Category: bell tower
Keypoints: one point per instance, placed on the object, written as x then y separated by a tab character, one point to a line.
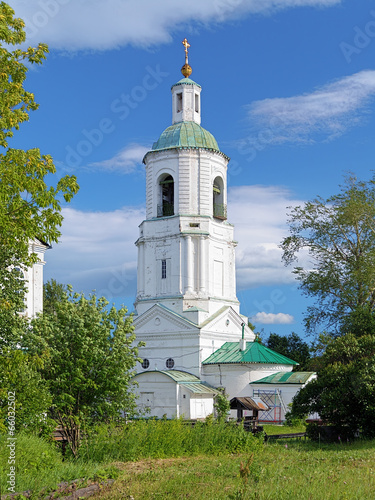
186	251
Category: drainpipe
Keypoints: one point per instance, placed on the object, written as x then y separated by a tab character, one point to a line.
243	341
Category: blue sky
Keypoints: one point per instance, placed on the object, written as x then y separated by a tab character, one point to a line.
288	92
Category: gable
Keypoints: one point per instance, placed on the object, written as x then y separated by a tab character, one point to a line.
228	322
161	320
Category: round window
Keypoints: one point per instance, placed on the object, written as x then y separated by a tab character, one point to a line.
145	363
169	363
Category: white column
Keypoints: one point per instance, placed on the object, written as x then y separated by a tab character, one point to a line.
141	268
189	264
202	264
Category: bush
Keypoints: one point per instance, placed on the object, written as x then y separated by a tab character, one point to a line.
329	433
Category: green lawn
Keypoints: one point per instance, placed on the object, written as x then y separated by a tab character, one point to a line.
205	462
293	470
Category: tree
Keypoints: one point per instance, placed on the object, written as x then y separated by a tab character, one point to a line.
91	353
344	392
22	385
339	236
53	293
291	346
29	208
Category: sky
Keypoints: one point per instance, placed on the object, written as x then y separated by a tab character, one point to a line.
288	90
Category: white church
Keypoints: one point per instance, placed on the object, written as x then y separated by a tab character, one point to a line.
186	309
187	312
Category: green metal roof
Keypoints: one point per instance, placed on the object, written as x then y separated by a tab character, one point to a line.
200	388
187	380
185	135
254	353
186	81
179	376
286	378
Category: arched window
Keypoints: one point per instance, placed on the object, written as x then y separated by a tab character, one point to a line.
219	208
166	205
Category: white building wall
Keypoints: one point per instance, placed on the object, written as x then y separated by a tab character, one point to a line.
187	107
236	378
162	396
160	391
170	336
34	281
201	406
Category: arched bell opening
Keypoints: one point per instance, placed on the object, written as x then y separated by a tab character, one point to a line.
219	207
166	196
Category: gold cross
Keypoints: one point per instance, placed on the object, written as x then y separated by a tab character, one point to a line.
186	44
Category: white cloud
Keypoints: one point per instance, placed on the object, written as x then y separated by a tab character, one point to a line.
126	161
324	114
273	319
97	251
107	24
259	215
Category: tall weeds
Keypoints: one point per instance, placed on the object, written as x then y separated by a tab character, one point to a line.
167	438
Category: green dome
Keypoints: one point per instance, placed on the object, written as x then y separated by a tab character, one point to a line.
185	135
186	81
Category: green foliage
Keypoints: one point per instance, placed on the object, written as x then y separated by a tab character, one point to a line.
167	438
291	346
344	392
40	466
294	422
339	235
361	321
90	358
222	405
19	376
29	208
53	293
12	293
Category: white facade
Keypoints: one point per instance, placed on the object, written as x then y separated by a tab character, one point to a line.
186	105
34	280
197	248
161	396
236	378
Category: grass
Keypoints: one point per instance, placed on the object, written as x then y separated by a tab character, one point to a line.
300	471
283	429
161	460
39	465
167	438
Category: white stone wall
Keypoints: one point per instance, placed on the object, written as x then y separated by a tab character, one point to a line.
236	378
187	107
164	396
158	392
169	336
193	256
34	281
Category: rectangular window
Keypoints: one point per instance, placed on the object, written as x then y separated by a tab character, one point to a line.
179	102
163	269
196	103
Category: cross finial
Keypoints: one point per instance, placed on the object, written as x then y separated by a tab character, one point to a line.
186	44
186	69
